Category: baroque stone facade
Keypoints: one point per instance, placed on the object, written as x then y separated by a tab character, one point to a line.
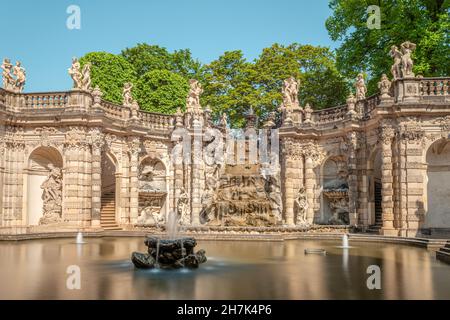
71	161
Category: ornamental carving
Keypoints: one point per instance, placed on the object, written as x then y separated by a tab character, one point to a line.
97	138
134	145
75	138
296	150
52	196
411	130
443	122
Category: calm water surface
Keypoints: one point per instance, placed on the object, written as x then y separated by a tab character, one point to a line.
235	270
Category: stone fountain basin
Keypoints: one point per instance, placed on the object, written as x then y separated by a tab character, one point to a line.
169	254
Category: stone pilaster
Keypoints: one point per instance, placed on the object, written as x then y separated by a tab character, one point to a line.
292	175
134	145
387	205
197	176
96	180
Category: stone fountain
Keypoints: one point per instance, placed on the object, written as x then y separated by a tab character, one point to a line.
171	252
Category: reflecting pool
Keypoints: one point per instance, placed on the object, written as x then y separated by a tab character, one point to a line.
36	269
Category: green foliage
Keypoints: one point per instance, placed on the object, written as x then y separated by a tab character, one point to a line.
424	22
227	86
161	91
233	85
144	58
109	72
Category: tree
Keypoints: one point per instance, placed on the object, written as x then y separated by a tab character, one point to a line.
227	86
109	72
145	58
161	91
321	85
424	22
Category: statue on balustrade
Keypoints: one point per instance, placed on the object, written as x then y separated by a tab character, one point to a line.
126	95
360	86
14	77
396	67
52	196
290	93
75	73
20	74
87	77
8	80
193	99
403	63
385	86
407	62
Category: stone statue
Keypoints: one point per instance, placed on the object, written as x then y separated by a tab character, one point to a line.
13	77
97	95
126	95
308	113
75	73
397	56
385	86
407	62
351	101
183	207
20	74
193	99
8	80
360	86
151	214
290	93
273	190
224	120
301	206
52	196
87	77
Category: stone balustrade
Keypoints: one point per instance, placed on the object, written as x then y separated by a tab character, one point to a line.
430	87
156	121
114	111
329	115
34	101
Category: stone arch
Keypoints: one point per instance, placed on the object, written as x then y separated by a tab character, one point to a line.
110	190
374	186
153	190
334	195
437	185
42	194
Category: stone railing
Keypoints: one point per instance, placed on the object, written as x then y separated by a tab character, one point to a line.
329	115
370	103
431	87
114	111
156	121
39	101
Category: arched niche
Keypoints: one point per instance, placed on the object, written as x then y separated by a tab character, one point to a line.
437	179
43	186
334	195
152	177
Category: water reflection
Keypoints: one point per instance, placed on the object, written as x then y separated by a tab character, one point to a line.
235	270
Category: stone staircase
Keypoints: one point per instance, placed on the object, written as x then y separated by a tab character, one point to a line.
443	253
108	212
375	228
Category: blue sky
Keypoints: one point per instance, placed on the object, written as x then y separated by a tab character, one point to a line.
35	32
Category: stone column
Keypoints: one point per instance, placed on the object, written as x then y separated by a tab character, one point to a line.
387	134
